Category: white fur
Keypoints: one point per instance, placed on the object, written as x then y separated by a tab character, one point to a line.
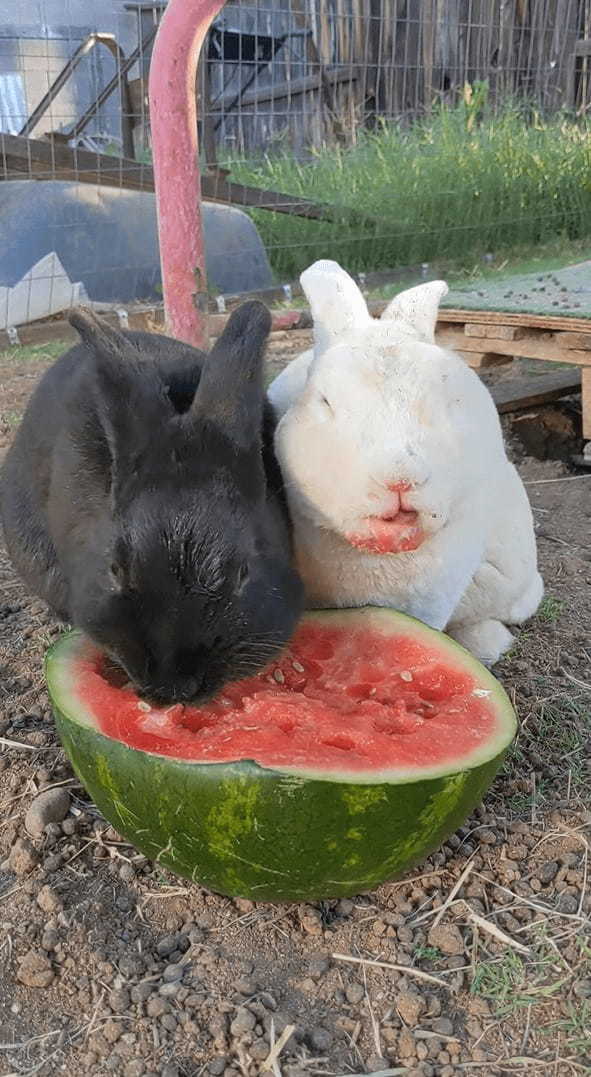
376	404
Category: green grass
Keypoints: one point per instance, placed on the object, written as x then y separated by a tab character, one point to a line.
550	609
576	1029
442	189
558	729
500	981
10	418
520	805
575	1026
563	729
427	953
513	982
35	352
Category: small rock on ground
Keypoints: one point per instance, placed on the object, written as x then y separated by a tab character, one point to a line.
410	1006
50	806
35	970
447	938
23	857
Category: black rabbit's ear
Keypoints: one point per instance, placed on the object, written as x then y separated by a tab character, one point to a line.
231	390
130	398
115	356
129	388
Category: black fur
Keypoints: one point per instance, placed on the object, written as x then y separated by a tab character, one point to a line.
141	499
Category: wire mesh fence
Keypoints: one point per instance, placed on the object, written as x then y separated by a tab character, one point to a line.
382	133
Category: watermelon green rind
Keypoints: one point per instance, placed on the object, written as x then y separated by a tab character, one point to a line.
71	645
247	830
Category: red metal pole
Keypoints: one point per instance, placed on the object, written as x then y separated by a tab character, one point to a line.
173	120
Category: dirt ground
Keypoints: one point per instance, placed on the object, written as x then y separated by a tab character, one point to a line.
480	962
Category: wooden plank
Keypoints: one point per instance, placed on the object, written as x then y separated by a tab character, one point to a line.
498	317
583	48
561	61
455	315
38	333
498	332
515	395
141	317
428	36
278	91
215	188
549	349
281	320
570	81
586	402
520	332
51	160
576	340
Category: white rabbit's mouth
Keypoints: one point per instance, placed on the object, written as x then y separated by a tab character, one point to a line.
398	532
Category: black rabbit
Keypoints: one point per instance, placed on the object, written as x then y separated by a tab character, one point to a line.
141	499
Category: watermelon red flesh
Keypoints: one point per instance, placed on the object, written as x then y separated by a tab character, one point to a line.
356	701
317	815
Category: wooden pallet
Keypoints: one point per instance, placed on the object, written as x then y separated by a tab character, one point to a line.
489	338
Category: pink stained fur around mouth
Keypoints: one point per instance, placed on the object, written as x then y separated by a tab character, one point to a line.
396	533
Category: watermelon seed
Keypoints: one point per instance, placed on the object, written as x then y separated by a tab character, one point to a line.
298	667
482	692
373	691
279	676
143	706
406	675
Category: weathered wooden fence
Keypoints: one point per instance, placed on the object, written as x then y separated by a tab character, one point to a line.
338	65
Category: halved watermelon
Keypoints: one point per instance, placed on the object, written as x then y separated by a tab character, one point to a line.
340	766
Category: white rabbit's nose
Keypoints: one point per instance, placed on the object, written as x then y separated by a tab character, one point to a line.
400	493
393	497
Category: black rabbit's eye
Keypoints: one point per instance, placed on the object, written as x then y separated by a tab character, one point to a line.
120	581
119	584
242	577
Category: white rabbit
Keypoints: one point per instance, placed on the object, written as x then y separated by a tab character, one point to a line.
398	481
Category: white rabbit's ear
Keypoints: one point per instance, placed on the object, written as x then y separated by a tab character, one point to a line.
336	302
418	307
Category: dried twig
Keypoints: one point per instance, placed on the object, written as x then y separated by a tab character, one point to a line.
575	680
566	478
375	1025
28	747
277	1048
8	893
526	1031
530	904
439	913
406	970
495	931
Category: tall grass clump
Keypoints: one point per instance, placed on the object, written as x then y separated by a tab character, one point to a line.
449	187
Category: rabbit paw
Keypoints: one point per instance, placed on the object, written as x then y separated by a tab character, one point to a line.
486	640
